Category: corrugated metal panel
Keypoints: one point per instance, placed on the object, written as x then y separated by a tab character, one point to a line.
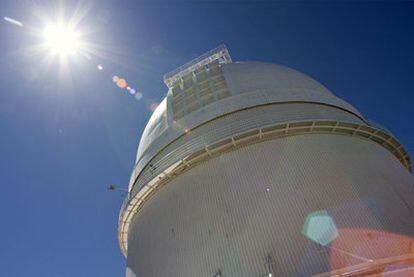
231	211
250	84
247	138
238	122
253	183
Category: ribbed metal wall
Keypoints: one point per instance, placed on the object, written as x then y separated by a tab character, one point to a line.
280	176
251	84
232	124
231	212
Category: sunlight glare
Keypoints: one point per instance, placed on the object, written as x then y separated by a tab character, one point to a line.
61	39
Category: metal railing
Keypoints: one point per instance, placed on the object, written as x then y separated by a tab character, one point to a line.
220	52
148	185
376	125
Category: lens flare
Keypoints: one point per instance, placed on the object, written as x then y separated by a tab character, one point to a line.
61	39
13	21
121	83
152	106
115	79
320	228
138	96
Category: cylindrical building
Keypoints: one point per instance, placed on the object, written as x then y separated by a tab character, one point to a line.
254	169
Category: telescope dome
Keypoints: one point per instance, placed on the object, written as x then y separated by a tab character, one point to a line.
248	163
240	85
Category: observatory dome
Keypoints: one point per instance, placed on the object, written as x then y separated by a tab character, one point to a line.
242	163
247	84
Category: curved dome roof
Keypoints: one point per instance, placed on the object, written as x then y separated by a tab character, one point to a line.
249	84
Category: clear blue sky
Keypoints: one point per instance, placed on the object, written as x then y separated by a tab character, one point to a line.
64	139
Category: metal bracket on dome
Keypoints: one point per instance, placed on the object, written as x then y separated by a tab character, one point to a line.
219	53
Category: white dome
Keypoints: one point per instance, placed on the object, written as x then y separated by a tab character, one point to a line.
250	84
240	158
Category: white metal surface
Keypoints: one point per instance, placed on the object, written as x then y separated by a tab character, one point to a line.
164	172
228	187
229	211
251	84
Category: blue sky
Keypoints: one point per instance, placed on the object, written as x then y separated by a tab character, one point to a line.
66	137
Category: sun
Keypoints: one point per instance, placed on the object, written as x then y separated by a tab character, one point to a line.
61	39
